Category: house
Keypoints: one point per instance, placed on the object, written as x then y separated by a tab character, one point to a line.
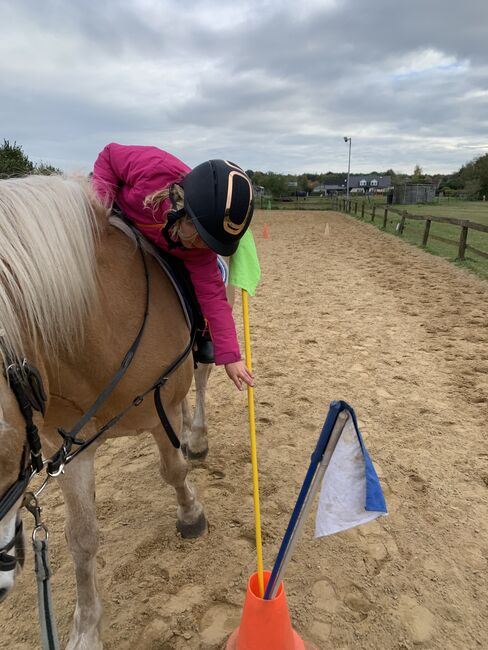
358	184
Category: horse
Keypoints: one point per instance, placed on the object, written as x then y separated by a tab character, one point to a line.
194	436
72	298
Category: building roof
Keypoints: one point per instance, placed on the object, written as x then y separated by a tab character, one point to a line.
339	182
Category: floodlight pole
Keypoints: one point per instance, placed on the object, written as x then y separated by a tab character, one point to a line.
348	166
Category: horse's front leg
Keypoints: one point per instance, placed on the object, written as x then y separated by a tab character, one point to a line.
197	437
81	530
187	422
191	520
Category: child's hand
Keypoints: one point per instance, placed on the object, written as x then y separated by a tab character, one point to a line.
238	372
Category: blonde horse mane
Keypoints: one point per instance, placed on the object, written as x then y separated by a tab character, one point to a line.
48	277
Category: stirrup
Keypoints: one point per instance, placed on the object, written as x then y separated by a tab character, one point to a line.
204	350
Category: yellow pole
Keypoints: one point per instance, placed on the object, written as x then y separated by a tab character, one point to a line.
254	456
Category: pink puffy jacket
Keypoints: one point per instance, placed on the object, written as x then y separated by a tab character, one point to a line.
127	174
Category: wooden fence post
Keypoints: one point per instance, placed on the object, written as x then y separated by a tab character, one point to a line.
401	225
385	218
373	213
356	208
362	210
462	242
426	232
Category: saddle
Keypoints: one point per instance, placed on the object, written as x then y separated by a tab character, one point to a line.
179	277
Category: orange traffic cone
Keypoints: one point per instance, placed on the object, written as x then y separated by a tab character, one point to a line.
265	231
265	624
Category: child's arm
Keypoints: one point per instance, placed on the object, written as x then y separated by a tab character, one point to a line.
210	292
110	169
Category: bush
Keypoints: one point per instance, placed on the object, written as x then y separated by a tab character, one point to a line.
14	162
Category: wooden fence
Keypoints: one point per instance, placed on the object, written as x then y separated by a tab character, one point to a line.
345	205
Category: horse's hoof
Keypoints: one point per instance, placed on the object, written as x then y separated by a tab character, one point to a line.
196	455
196	529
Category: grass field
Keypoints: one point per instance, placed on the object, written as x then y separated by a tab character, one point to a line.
476	211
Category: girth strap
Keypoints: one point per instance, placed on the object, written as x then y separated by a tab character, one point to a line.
164	419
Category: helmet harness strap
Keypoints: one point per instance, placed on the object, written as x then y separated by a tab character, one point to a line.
173	215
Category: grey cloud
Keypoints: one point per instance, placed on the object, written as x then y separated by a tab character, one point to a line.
276	89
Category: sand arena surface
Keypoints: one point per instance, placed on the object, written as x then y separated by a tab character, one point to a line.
343	312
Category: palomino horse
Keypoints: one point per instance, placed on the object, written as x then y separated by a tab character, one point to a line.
72	298
194	437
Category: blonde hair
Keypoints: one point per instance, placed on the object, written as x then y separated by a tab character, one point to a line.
156	199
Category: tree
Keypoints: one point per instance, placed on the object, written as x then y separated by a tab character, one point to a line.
46	170
472	178
13	161
275	184
418	174
391	173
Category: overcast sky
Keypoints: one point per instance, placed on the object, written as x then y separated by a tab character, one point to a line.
272	85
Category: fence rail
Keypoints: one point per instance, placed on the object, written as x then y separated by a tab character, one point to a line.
345	205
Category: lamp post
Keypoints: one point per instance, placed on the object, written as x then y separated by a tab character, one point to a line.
348	166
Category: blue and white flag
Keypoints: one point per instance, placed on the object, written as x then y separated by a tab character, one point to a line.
351	493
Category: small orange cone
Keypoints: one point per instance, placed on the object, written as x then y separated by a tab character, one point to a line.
265	624
265	231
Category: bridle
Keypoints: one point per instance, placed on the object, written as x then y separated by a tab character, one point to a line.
26	384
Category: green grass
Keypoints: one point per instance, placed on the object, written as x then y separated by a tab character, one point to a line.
471	210
310	203
476	211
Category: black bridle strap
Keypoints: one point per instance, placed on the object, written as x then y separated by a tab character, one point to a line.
14	493
14	373
171	218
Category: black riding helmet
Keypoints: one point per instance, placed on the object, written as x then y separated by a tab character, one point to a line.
219	201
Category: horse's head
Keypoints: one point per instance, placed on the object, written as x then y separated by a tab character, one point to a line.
14	458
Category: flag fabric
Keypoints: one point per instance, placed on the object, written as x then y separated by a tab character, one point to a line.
245	271
351	493
350	490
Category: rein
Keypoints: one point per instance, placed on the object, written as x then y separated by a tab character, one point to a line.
26	384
